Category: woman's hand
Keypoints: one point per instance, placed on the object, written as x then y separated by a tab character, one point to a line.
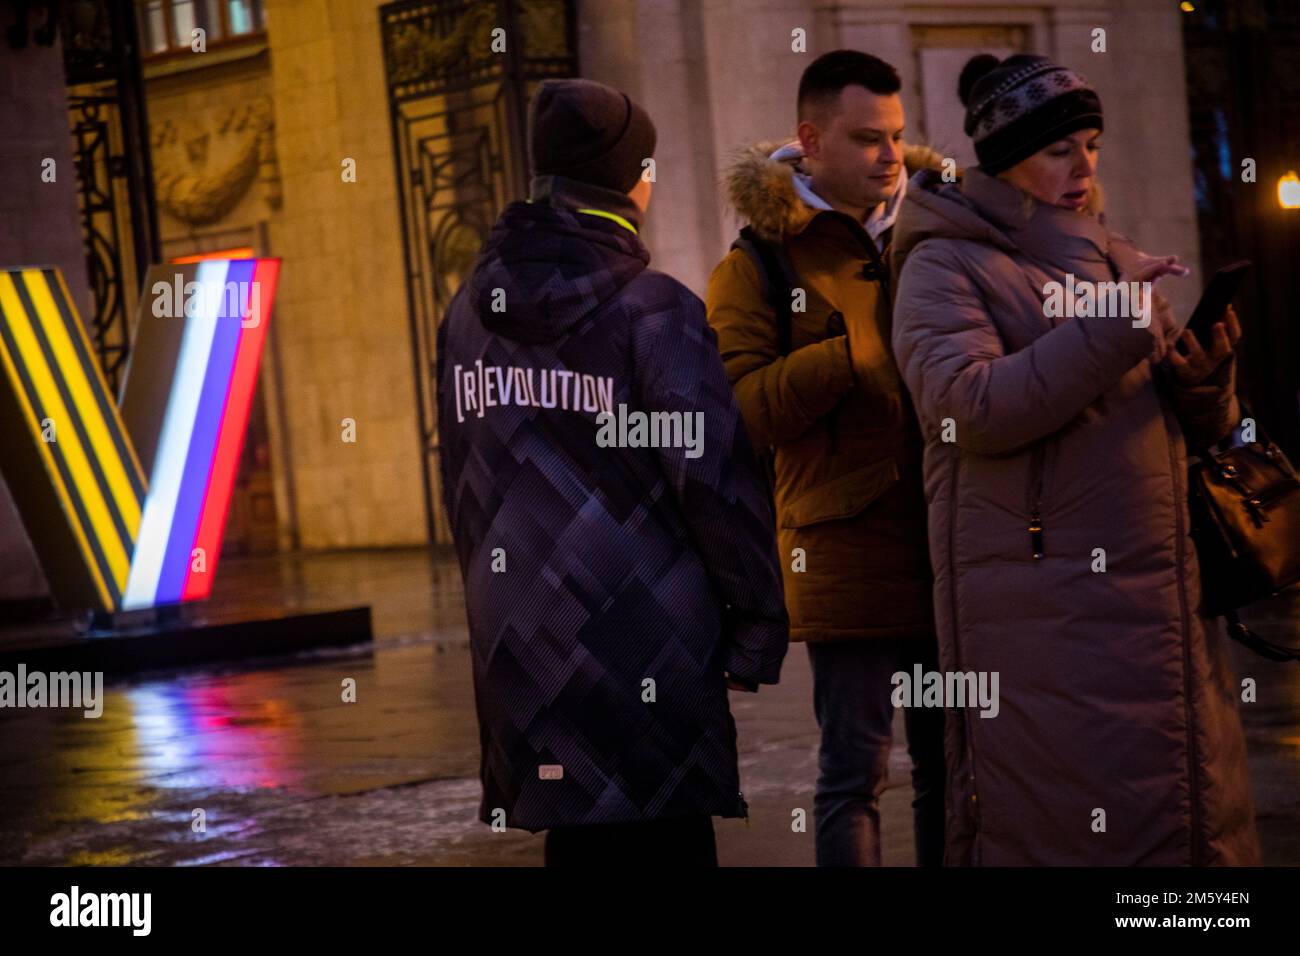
1164	328
1150	269
1199	364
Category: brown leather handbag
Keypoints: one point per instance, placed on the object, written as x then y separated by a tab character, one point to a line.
1245	507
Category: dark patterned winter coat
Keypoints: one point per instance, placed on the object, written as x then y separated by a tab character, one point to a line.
607	588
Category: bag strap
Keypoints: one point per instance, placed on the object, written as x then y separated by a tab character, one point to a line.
1242	634
1261	435
1271	448
778	277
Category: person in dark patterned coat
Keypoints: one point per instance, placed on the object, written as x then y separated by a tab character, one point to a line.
617	579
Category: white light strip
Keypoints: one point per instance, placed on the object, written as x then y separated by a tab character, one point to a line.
174	443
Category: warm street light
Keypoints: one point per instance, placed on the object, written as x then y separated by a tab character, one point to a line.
1288	191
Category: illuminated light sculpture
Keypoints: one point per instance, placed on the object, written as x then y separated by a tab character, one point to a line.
185	401
65	454
76	463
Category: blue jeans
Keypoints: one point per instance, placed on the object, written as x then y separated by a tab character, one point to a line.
851	697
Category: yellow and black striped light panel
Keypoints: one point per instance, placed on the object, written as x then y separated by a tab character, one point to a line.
64	453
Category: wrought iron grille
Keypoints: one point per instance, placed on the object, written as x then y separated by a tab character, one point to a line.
457	106
110	144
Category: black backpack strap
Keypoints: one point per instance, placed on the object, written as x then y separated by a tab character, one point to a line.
777	274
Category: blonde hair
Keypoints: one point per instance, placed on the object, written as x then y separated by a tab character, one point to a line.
1096	199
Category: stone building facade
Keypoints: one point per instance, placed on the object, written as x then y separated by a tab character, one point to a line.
282	144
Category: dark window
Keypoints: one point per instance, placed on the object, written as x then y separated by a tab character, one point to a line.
166	26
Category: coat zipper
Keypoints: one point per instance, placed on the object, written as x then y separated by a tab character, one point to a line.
1034	500
956	645
1193	781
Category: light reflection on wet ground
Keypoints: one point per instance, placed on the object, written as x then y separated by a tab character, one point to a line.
286	773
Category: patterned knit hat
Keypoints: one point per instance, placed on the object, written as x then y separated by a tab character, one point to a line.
1021	105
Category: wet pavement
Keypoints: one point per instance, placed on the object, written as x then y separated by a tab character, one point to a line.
285	772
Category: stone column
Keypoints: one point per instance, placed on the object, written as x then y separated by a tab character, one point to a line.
39	225
341	324
713	76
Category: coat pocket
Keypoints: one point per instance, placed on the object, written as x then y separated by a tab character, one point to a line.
841	497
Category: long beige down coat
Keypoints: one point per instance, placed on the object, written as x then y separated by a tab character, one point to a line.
1117	740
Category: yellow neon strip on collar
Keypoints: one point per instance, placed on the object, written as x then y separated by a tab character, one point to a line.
612	216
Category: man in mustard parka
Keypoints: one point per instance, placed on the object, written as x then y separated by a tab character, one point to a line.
817	384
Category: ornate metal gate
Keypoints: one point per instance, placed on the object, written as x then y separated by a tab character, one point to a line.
110	142
459	75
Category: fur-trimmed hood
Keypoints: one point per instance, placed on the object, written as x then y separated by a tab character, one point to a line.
762	189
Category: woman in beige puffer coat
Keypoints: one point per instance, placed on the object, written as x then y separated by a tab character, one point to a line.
1055	473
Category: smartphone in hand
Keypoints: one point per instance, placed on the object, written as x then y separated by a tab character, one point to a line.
1216	298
